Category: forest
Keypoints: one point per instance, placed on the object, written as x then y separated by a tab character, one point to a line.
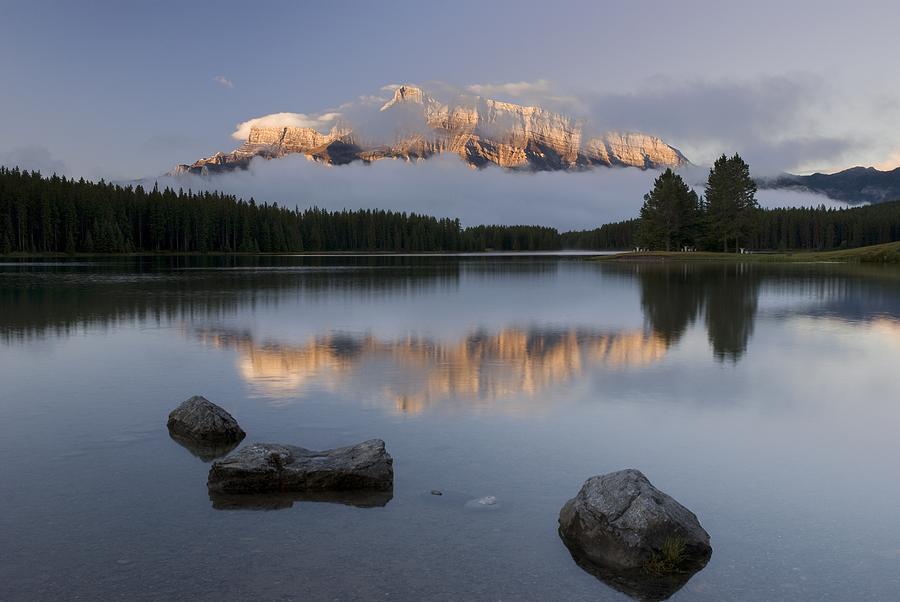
727	218
788	229
60	215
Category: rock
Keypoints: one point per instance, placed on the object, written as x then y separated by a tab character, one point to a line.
633	536
486	502
202	423
274	468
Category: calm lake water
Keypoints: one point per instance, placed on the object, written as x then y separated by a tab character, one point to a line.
764	398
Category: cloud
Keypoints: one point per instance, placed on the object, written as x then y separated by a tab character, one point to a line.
223	81
772	198
515	89
776	123
892	161
445	187
318	122
33	158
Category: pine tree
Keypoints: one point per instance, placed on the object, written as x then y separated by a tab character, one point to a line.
730	200
669	214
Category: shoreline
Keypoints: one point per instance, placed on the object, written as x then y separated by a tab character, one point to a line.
546	253
887	253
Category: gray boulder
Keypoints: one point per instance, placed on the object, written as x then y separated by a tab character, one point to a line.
274	468
204	424
633	536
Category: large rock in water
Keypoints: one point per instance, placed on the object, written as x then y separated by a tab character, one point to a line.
203	423
633	536
273	468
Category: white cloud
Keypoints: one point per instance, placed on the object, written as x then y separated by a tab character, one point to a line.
444	186
514	89
318	122
223	81
440	186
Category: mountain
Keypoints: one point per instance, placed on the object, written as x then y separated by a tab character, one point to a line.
855	185
414	125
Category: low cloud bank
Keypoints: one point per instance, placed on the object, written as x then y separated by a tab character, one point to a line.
33	158
445	187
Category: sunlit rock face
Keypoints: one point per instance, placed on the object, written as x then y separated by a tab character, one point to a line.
481	367
479	130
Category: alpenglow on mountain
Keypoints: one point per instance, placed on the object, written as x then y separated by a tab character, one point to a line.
414	125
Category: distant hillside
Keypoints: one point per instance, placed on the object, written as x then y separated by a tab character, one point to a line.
855	185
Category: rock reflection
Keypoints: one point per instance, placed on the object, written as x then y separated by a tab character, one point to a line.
418	372
278	501
206	452
639	584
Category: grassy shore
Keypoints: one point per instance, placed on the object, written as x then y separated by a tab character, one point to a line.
886	253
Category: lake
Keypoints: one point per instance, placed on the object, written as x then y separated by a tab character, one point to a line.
765	398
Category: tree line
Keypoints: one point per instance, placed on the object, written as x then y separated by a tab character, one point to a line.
728	217
60	215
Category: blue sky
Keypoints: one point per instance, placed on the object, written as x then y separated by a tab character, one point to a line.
126	89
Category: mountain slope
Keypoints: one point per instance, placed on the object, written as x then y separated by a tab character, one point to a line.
855	185
414	125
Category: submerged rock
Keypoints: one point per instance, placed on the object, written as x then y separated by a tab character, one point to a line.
274	468
202	423
633	536
488	502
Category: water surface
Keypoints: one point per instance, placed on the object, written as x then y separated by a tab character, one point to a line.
764	398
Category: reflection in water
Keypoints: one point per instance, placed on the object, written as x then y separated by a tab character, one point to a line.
674	297
39	303
422	372
639	584
205	451
55	301
278	501
84	383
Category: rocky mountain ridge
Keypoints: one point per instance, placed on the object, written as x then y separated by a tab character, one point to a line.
855	185
480	130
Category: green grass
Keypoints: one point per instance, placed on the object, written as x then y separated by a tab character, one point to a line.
885	253
669	558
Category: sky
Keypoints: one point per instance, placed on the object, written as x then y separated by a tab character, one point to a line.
125	90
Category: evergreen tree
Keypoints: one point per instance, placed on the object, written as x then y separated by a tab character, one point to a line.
669	214
730	201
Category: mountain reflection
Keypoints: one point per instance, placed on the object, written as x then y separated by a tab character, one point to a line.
416	372
55	301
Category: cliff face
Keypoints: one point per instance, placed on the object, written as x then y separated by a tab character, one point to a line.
480	130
